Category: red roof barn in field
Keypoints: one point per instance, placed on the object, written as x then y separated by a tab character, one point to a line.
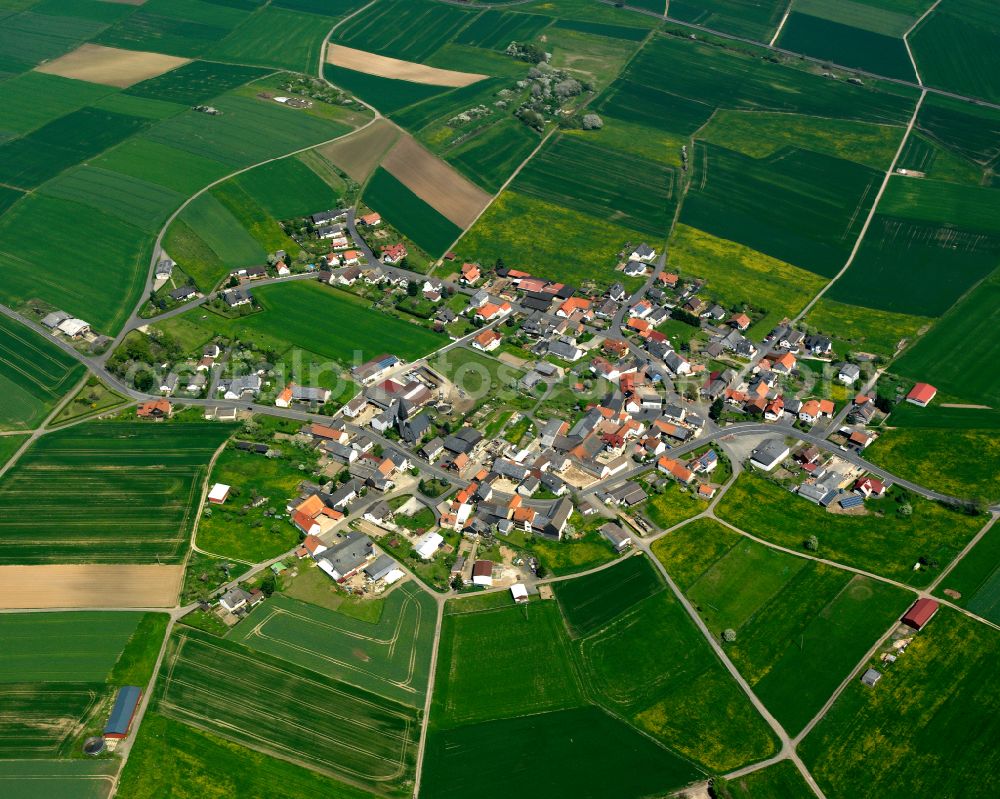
921	612
921	394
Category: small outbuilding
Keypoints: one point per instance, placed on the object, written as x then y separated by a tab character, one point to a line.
482	573
218	494
519	592
871	677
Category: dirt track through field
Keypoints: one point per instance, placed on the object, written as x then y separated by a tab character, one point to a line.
89	585
359	153
111	66
385	67
436	183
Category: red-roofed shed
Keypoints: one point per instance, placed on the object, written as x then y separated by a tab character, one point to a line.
921	612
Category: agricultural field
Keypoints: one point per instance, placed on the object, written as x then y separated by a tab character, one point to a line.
277	708
588	603
888	544
955	48
738	275
110	66
780	781
967	131
411	30
490	157
9	444
65	779
287	188
386	94
800	626
752	20
28	37
952	354
139	485
673	677
166	166
562	753
800	207
276	37
196	82
529	233
23	112
358	154
936	705
389	656
35	375
412	216
328	323
482	657
495	29
575	174
199	765
866	329
976	579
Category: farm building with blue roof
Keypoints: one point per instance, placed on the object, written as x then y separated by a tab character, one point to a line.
122	713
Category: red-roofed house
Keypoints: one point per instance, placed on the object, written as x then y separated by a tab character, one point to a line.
921	394
393	253
677	470
740	321
370	220
154	409
491	311
921	612
470	273
571	306
487	341
870	487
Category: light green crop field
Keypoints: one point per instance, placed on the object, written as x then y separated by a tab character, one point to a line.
976	579
888	545
390	657
866	329
800	626
42	719
57	779
275	37
166	166
277	708
35	374
672	677
199	765
483	664
23	112
936	705
112	492
63	647
591	601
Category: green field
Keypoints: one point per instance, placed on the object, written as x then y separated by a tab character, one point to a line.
62	647
502	662
35	375
628	190
490	157
952	354
222	233
62	779
900	261
10	444
889	545
410	215
288	188
330	323
590	602
29	38
528	233
274	37
955	48
178	27
166	166
563	753
800	626
195	83
653	666
970	131
42	719
936	161
865	329
112	492
799	207
846	45
756	20
764	134
408	29
977	579
277	708
100	283
495	29
386	94
652	106
780	781
198	765
390	657
738	275
23	112
936	705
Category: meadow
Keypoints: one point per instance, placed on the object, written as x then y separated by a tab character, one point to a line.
738	275
502	662
35	375
955	48
865	329
390	657
936	706
250	217
954	352
199	765
64	647
329	323
531	234
800	626
846	45
977	579
563	753
478	375
653	666
277	708
899	265
888	544
590	602
409	214
800	207
195	82
607	184
569	556
139	484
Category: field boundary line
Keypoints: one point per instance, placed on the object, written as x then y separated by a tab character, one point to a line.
906	38
781	25
871	213
965	551
428	703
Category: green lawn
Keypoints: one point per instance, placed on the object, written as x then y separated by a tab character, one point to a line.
889	545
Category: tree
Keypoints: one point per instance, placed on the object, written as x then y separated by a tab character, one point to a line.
144	381
412	288
715	411
812	543
883	403
906	509
592	122
729	635
269	585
